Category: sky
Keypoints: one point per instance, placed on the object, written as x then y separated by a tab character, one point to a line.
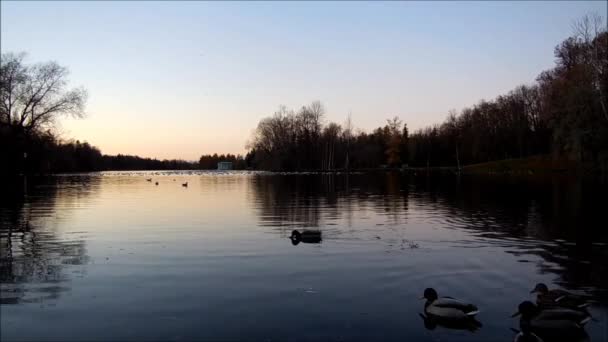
171	79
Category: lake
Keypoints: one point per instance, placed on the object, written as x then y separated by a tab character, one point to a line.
112	256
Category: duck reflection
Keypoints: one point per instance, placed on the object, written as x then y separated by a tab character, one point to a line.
526	334
559	324
306	236
431	322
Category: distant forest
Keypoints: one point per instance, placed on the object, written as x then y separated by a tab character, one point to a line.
564	114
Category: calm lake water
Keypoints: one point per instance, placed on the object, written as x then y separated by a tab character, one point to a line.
111	256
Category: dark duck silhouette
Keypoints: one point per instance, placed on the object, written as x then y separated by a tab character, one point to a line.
558	324
306	236
547	299
185	185
448	312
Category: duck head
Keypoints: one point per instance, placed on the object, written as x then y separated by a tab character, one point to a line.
296	237
430	294
526	309
540	288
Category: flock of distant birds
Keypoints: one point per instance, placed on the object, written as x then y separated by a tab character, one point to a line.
558	315
185	185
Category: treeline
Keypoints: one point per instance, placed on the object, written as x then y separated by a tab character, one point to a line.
127	162
564	113
32	99
44	153
41	152
298	141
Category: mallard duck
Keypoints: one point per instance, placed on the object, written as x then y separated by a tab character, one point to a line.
559	324
546	298
185	184
306	236
148	179
447	308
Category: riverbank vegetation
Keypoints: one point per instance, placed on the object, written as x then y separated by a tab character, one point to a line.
561	116
32	99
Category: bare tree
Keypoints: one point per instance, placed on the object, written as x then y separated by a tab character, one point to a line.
588	29
393	143
32	97
348	133
331	135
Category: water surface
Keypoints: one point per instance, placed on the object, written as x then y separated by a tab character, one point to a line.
111	256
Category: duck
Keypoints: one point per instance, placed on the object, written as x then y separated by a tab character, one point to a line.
547	299
552	324
148	179
156	183
447	307
306	236
185	184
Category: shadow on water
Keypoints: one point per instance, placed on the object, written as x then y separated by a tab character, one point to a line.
33	257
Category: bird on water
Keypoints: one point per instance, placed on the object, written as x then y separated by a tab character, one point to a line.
448	312
558	324
546	298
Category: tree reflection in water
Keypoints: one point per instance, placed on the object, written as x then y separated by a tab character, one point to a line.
34	257
558	219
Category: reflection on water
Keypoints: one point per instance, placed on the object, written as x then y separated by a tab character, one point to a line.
31	251
114	256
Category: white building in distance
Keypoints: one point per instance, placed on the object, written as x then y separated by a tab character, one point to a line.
225	165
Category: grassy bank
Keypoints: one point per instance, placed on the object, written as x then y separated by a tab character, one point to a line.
541	164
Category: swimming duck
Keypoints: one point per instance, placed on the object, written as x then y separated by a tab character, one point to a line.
447	308
306	236
559	324
546	298
185	184
149	179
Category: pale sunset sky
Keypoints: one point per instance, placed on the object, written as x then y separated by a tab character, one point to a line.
171	79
